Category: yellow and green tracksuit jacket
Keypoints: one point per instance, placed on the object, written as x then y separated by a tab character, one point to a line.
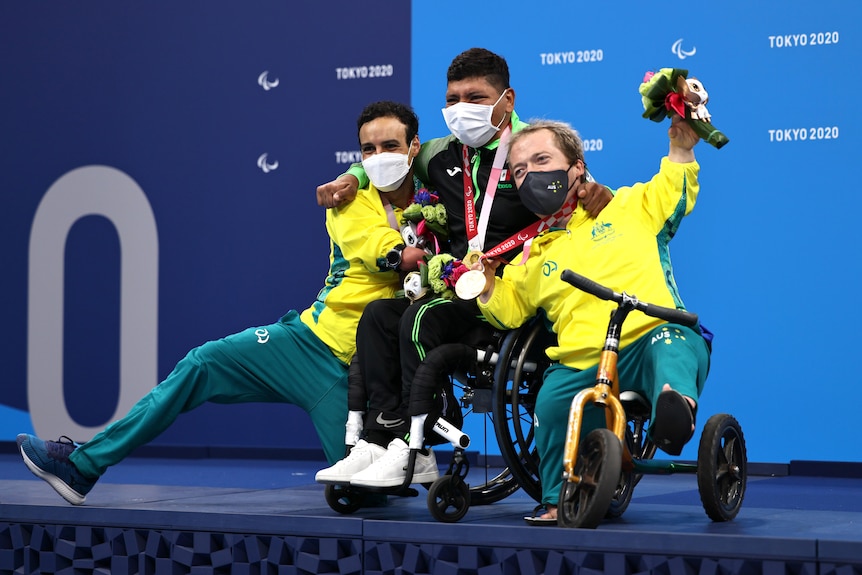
625	248
360	236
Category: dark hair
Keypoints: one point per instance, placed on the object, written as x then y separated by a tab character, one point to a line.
387	109
479	63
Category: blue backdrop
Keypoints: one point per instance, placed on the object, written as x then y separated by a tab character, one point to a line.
226	116
769	256
217	121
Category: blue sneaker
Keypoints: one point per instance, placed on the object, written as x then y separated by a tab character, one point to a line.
49	460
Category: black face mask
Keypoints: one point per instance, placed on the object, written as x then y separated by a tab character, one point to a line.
544	193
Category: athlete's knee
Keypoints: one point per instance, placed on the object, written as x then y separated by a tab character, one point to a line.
378	318
548	412
199	357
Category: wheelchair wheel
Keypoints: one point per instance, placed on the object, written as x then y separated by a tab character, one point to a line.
584	504
448	499
517	379
343	498
455	367
503	484
722	467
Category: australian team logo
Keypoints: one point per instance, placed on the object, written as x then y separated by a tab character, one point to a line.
601	231
667	336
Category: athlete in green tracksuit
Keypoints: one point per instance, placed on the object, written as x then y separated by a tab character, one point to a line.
624	248
301	359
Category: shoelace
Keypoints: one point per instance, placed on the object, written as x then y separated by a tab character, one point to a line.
61	449
395	454
355	454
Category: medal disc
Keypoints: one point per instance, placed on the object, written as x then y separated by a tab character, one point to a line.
472	257
470	285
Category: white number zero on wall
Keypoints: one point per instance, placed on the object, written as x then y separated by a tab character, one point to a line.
86	191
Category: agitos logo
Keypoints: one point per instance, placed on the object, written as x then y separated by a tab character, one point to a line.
265	165
680	53
264	81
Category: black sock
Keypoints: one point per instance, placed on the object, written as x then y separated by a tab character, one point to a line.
378	437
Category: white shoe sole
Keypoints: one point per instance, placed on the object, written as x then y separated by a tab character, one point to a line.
427	477
331	480
64	490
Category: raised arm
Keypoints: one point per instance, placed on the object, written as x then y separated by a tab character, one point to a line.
682	141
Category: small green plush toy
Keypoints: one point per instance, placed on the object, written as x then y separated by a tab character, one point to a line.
426	208
670	91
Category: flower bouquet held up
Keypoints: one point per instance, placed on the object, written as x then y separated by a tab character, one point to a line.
670	91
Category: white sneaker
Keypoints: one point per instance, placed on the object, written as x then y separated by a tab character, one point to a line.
391	469
361	456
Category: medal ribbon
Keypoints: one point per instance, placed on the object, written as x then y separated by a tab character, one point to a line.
526	235
390	212
476	231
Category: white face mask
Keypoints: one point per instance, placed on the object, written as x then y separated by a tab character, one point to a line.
471	123
387	170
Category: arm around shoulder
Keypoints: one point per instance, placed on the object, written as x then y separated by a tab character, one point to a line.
343	188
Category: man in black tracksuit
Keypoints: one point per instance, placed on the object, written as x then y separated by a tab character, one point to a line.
395	335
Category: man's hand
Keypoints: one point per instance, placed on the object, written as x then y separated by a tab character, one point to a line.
682	140
339	191
410	258
594	197
488	266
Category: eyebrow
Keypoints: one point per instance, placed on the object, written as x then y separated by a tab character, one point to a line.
389	142
477	93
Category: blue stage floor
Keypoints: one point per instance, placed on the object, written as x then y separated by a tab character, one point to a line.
261	516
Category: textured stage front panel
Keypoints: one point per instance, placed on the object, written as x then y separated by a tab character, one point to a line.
407	548
84	549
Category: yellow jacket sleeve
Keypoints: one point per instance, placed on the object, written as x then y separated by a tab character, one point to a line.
360	229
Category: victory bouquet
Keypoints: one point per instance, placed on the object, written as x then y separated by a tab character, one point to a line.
427	215
437	273
670	91
425	222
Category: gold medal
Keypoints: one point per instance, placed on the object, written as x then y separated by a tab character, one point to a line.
470	285
472	257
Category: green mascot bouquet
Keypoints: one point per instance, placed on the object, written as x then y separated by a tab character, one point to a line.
670	91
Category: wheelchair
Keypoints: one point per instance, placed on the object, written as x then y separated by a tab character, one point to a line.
491	374
601	472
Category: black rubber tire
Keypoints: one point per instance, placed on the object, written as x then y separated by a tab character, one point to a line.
515	391
584	504
448	499
343	498
722	467
626	484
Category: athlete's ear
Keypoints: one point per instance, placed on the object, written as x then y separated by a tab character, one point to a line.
510	100
577	171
